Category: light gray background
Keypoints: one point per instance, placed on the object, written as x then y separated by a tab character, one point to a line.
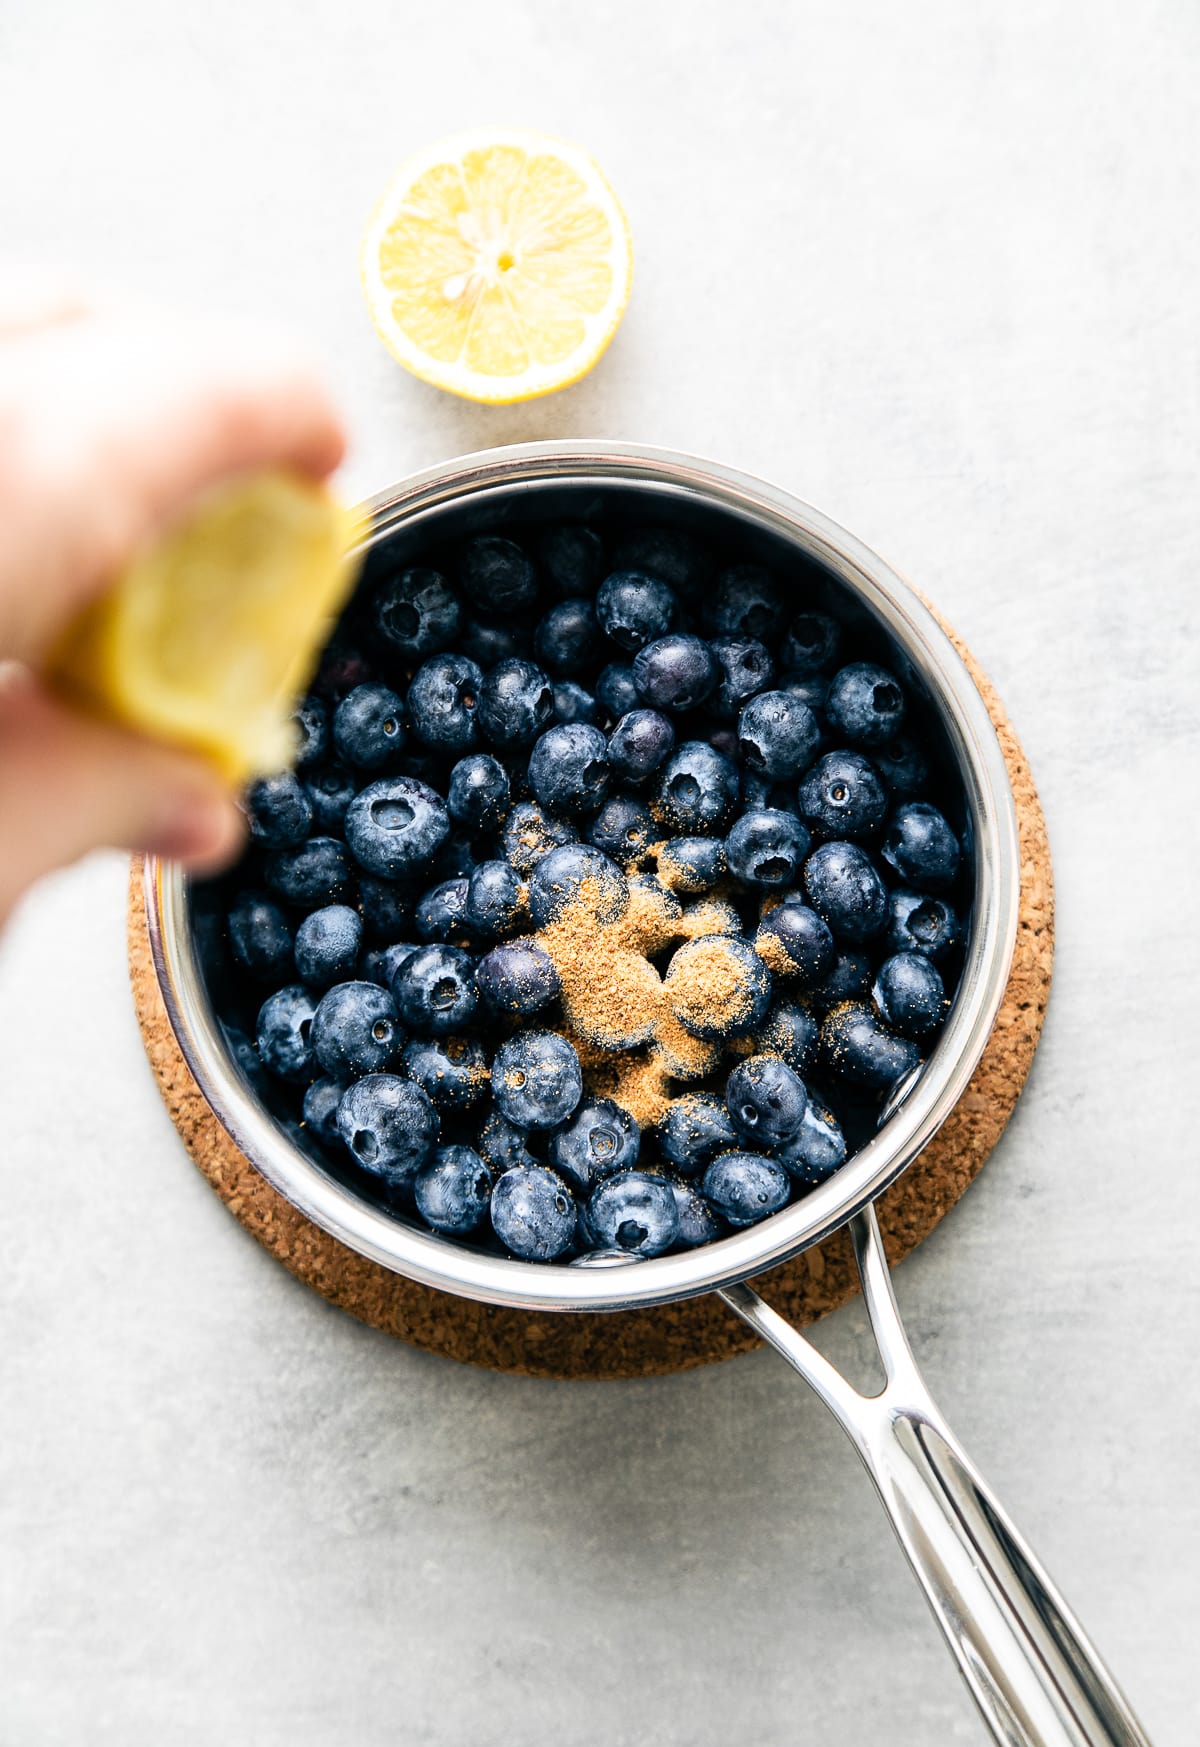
934	267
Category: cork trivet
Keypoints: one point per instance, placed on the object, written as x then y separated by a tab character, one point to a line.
672	1337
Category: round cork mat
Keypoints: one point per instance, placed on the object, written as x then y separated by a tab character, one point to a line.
671	1337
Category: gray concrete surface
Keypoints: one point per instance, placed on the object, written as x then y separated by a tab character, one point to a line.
935	268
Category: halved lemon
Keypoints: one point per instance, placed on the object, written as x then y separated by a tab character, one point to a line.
498	265
206	639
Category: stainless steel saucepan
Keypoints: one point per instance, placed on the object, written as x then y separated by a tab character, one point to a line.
1035	1677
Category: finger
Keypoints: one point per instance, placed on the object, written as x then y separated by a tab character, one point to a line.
69	784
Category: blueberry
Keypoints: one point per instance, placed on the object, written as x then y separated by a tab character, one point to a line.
600	1138
536	1080
902	765
516	701
573	558
766	847
759	792
440	912
777	735
495	901
327	943
355	1030
320	1108
766	1100
849	980
496	576
746	669
857	1047
278	811
668	553
634	608
811	643
634	1212
502	1144
386	908
694	1130
517	978
865	704
811	688
533	1213
368	728
698	1224
697	790
485	643
675	672
330	789
745	602
819	1148
246	1059
616	693
568	768
478	793
717	986
623	829
921	924
842	796
574	703
567	639
389	1127
381	963
434	989
530	833
312	732
577	874
453	1194
745	1187
260	937
318	872
638	744
691	864
417	613
452	1071
844	887
790	1032
909	994
284	1033
796	942
920	846
395	824
343	666
445	702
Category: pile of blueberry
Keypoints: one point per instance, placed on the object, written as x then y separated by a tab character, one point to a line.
626	704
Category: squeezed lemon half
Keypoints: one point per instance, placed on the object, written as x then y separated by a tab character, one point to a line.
498	265
207	639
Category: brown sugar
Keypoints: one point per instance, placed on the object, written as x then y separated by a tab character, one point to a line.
773	953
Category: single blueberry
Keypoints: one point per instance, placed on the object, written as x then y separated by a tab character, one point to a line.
691	865
634	1212
759	792
440	912
496	576
842	796
676	672
568	768
865	704
909	994
634	608
533	1213
246	1059
777	735
790	1032
478	793
600	1138
844	887
318	872
796	942
516	701
920	846
386	908
697	790
616	693
638	744
320	1108
698	1224
766	847
572	557
568	639
343	666
811	688
717	986
694	1130
453	1194
312	732
849	980
745	602
517	978
394	825
677	558
284	1033
574	703
355	1030
486	643
434	989
819	1148
745	1187
577	874
260	937
278	811
766	1099
902	765
746	669
327	944
330	789
502	1145
536	1079
381	963
858	1047
368	728
811	643
452	1071
530	833
495	901
623	829
444	703
417	613
917	923
388	1126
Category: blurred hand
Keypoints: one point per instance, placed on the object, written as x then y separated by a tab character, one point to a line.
112	421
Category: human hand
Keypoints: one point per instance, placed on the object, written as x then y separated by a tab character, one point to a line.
113	420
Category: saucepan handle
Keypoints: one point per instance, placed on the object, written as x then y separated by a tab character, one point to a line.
1037	1680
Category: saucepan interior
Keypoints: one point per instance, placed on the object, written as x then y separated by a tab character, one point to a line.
600	483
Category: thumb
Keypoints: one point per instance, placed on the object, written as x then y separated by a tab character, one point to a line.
69	784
